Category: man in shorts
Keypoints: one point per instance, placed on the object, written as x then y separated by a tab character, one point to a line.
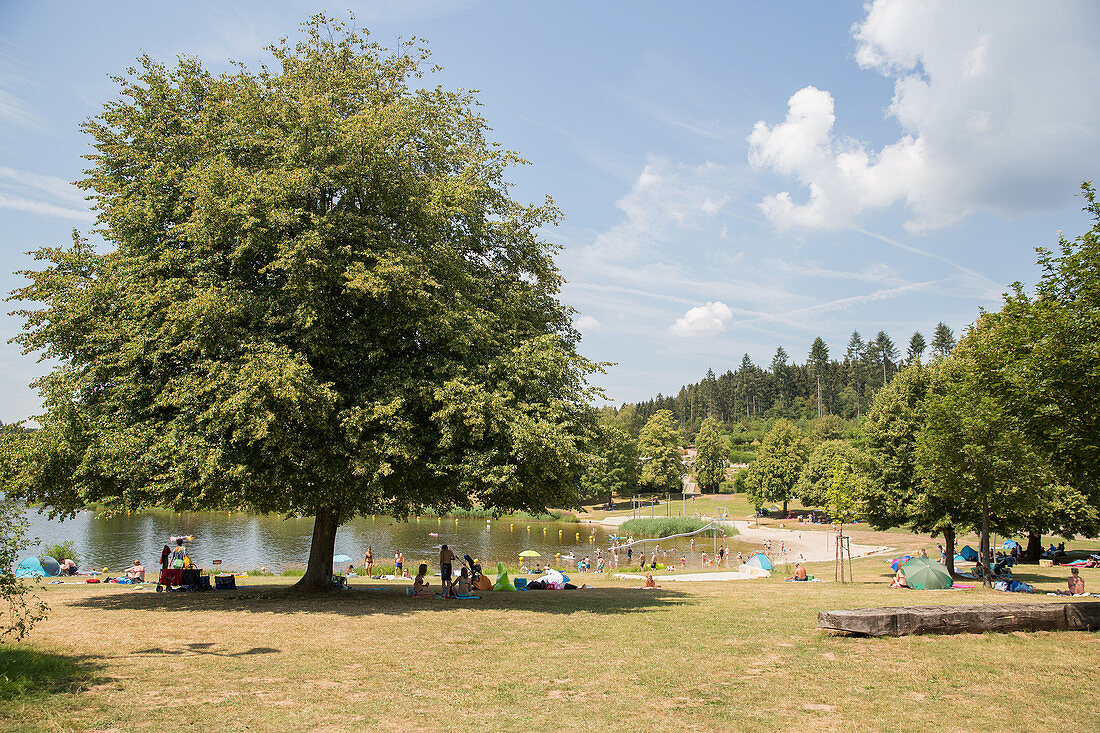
446	557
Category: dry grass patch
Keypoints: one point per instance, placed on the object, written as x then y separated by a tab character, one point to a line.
704	656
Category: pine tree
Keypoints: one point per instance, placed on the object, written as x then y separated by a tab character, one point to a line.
917	345
943	341
817	361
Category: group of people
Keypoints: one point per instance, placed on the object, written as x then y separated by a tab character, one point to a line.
459	587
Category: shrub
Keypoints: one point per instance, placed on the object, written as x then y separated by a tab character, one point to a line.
62	550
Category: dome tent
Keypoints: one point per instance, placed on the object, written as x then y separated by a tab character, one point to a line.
30	567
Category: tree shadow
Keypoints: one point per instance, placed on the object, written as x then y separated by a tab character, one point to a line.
205	649
26	672
389	601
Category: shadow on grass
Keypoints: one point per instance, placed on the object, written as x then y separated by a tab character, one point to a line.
27	672
207	649
373	601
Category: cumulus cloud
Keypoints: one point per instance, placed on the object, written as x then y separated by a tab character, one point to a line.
996	102
586	324
702	320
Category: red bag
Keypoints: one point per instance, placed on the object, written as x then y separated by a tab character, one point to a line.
91	580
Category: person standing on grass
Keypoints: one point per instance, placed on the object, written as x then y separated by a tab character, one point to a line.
446	557
397	563
368	561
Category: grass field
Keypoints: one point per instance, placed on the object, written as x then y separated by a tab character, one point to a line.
743	655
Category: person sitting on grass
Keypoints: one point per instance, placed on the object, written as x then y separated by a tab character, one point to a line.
461	586
799	573
650	582
420	587
136	571
1076	582
899	580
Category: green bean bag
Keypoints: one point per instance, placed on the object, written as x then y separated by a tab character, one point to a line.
503	583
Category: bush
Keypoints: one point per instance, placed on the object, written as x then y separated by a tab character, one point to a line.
62	550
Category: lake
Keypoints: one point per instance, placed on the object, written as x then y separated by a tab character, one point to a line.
247	541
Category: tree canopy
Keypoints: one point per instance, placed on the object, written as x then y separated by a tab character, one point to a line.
778	465
317	297
659	449
710	456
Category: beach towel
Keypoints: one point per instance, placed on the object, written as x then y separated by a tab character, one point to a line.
466	598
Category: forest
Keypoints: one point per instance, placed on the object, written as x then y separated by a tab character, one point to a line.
822	385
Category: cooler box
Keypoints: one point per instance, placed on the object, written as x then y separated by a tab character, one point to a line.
225	582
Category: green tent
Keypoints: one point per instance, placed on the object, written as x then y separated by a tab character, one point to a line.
924	573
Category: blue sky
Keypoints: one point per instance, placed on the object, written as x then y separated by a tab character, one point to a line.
734	176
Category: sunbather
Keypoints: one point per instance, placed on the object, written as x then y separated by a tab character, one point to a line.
799	572
420	584
136	571
899	580
650	582
461	586
1076	582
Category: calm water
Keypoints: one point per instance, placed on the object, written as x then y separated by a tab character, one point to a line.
247	541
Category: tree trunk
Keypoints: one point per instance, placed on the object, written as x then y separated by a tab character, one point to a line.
784	508
983	557
1034	546
318	575
949	547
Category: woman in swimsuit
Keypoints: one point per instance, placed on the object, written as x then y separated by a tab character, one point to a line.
368	560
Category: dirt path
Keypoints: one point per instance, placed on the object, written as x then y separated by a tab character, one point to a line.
794	545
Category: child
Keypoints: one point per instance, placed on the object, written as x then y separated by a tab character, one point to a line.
461	585
420	587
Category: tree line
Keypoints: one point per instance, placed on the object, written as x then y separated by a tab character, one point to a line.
785	389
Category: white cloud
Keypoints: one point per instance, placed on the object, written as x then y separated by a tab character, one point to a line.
702	320
996	102
45	195
52	185
19	203
586	324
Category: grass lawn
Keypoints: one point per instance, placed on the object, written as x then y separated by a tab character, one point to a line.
743	655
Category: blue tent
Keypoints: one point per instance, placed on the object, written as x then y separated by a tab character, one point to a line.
1009	544
960	558
760	560
969	554
30	568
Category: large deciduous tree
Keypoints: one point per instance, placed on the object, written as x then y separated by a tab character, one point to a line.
659	450
1038	357
778	465
318	296
710	456
614	466
895	495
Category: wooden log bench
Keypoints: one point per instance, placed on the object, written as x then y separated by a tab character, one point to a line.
1072	616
